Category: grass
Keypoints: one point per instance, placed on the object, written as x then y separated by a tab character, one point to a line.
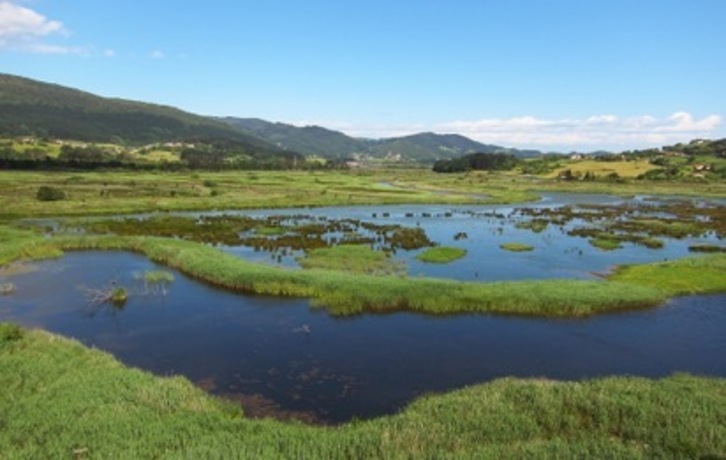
627	169
706	248
351	258
118	192
606	244
62	400
697	275
118	296
516	247
441	255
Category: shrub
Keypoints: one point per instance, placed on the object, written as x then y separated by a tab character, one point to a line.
10	332
46	193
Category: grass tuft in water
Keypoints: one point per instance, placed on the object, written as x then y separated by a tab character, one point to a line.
441	255
516	247
352	258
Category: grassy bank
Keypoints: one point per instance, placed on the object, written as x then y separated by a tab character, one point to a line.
62	400
353	293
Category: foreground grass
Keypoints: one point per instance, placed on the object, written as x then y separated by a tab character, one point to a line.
62	400
353	293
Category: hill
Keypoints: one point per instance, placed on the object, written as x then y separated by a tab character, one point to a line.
315	140
29	107
310	140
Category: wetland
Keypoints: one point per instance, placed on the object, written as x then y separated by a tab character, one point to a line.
285	357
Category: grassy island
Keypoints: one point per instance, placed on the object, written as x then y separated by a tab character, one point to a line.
441	255
516	247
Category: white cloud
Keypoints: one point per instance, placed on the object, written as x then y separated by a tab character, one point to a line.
23	29
109	53
156	54
595	132
561	134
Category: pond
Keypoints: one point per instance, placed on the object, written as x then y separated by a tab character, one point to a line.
280	358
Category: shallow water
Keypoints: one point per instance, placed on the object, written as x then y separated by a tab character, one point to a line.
555	254
278	356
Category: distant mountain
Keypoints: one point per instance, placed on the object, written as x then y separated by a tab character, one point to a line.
315	140
310	140
29	107
430	147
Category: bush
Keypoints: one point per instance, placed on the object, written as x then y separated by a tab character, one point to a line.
46	193
10	332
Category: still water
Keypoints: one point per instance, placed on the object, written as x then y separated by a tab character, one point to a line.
279	356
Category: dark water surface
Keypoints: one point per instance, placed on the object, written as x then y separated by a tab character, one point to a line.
278	355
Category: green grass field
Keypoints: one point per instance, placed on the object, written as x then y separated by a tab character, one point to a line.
119	192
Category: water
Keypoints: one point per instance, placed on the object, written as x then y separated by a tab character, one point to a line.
277	356
555	254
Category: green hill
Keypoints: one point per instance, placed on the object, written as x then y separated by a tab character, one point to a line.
310	140
314	140
29	107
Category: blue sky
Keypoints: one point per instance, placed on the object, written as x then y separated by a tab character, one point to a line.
556	75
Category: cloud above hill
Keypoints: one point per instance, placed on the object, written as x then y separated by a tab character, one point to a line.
25	30
595	131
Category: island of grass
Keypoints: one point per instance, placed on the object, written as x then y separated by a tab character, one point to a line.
352	258
706	248
119	412
441	255
605	244
516	247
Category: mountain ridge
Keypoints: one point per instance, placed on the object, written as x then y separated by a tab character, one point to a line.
331	144
31	107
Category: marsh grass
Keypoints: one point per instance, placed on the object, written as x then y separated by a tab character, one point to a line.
130	192
62	400
441	255
709	248
696	275
605	243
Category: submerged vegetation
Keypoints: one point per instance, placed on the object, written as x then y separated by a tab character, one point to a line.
122	412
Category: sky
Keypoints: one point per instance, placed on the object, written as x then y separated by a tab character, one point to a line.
556	75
